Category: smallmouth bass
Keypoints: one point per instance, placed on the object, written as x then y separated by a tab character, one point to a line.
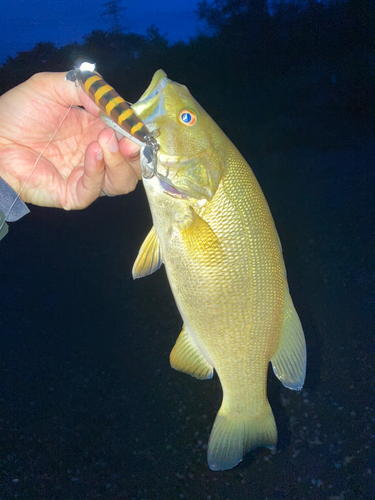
215	234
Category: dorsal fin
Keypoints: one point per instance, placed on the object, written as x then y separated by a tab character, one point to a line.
289	361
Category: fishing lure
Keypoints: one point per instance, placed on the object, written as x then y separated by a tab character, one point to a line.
118	114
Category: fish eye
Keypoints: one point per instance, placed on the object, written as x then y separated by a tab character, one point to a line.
187	117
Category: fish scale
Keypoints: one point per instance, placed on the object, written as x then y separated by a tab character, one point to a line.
215	234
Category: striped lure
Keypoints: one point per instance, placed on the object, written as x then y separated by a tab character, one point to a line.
117	114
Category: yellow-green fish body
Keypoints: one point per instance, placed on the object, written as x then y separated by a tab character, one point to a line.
215	234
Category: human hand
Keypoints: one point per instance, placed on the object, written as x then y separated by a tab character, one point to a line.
83	157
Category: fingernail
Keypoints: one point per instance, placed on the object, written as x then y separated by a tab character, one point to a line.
113	144
99	156
136	154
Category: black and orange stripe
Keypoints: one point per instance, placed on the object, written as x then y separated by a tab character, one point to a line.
112	104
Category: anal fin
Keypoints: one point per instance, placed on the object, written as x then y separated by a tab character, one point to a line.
186	357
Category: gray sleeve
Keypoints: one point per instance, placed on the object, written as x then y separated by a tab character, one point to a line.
10	204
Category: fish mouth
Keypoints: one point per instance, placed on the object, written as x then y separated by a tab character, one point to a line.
149	108
171	170
151	103
171	190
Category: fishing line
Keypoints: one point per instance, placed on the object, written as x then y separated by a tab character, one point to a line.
35	164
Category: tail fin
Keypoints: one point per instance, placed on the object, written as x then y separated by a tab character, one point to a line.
234	435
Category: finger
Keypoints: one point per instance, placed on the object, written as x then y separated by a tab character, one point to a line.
90	183
131	153
120	176
87	102
54	85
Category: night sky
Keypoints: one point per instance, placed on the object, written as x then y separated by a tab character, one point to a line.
24	23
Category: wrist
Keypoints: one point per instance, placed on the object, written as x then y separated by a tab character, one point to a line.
6	160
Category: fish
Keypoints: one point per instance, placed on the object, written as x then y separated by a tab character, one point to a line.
214	233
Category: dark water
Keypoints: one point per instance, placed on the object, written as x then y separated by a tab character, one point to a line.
90	408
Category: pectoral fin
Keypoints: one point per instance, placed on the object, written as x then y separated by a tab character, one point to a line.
186	357
149	257
289	361
199	237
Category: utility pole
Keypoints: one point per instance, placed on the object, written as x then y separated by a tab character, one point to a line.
112	11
